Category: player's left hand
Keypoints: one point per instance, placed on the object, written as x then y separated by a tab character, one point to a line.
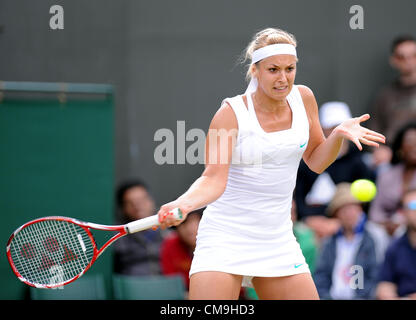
351	129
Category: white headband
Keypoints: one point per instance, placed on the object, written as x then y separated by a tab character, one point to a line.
268	51
272	50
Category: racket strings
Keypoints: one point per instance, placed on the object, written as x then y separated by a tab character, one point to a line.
51	252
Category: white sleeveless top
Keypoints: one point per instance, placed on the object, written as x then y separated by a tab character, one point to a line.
248	230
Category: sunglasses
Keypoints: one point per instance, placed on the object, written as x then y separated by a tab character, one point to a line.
411	205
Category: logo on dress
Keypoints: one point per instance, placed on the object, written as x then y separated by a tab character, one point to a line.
303	144
297	265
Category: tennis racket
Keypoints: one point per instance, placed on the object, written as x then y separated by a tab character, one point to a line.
53	251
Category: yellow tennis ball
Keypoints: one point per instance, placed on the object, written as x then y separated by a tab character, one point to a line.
364	190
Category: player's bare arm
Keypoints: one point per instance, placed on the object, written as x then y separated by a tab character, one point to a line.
211	184
322	152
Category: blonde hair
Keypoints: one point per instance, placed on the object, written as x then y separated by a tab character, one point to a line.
264	38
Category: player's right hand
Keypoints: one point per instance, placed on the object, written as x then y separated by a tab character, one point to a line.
166	218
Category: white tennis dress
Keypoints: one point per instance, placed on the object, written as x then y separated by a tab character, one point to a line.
248	230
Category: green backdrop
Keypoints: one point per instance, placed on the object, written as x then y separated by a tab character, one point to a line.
56	158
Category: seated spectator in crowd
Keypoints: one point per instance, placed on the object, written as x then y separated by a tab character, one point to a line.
395	104
178	247
397	277
392	182
313	192
358	245
306	239
136	254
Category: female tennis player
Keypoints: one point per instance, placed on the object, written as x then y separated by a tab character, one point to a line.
245	236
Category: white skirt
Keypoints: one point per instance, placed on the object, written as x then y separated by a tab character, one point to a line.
250	254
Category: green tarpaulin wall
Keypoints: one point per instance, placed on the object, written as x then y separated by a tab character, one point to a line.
56	158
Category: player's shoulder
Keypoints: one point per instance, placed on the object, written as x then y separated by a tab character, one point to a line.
225	117
308	99
225	110
305	91
228	103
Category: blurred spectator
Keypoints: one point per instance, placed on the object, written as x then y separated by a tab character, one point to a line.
178	248
392	182
398	273
357	243
136	254
306	239
313	192
395	104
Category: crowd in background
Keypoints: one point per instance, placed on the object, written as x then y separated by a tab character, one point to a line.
355	250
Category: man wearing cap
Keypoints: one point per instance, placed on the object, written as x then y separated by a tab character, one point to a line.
356	250
313	192
397	277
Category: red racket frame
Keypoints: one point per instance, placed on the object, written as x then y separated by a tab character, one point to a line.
84	225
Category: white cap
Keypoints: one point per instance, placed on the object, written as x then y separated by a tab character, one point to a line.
333	113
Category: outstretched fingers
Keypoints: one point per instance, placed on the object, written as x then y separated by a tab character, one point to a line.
370	134
363	118
375	136
357	143
369	142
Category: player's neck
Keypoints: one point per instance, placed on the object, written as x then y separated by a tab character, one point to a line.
265	103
